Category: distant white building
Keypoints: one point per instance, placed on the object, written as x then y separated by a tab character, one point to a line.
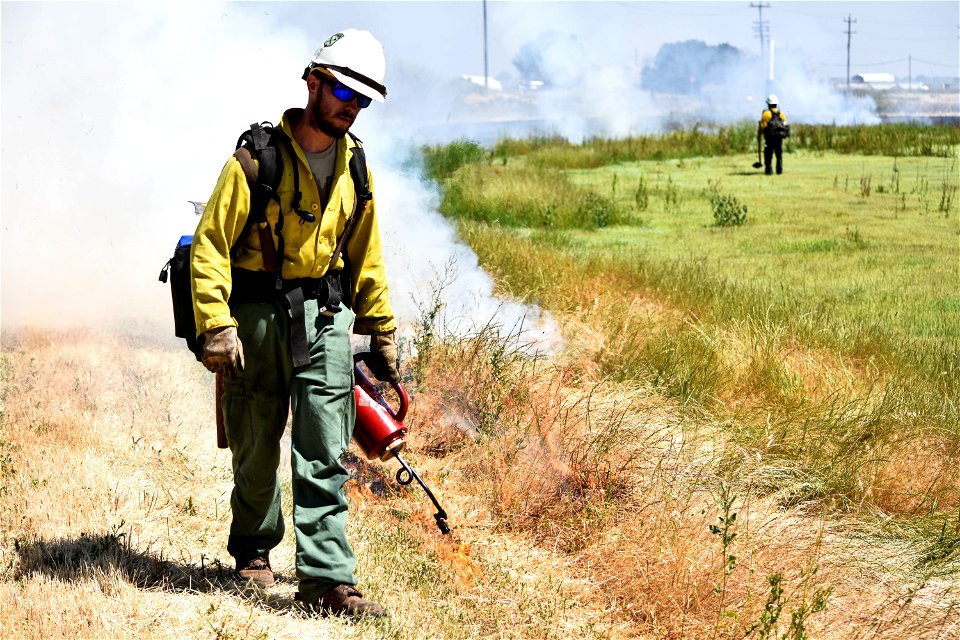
875	80
492	83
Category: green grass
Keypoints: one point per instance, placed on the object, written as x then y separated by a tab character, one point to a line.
851	260
811	240
525	196
812	245
901	139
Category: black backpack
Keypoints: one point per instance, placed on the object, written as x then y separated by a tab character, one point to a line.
777	129
261	141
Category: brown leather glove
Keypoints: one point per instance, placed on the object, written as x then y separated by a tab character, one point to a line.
383	357
222	352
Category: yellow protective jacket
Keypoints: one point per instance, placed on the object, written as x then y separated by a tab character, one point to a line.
766	117
308	247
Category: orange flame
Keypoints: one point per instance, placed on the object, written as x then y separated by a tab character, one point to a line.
456	555
355	495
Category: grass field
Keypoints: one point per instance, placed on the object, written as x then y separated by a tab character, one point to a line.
750	432
815	230
820	333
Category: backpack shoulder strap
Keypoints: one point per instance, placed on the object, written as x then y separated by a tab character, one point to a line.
258	143
261	144
363	195
358	171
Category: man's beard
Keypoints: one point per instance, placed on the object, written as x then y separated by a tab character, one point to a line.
328	125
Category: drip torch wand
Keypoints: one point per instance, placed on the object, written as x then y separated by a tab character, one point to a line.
379	431
406	475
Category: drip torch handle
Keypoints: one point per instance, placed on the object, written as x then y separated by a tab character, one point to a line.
367	385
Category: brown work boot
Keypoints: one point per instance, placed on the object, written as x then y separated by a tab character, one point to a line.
256	569
343	600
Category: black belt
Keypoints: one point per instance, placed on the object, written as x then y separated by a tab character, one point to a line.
263	286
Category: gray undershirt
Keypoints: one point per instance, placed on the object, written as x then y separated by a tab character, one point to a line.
321	165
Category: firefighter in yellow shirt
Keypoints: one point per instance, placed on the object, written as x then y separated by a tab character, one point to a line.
274	303
774	129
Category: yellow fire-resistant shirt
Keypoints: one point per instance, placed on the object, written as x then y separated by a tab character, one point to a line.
308	247
766	117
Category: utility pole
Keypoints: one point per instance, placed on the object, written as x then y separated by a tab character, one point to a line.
760	26
850	21
486	74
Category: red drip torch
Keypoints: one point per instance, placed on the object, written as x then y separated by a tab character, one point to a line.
379	431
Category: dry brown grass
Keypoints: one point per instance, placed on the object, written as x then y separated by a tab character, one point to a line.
115	511
612	476
581	508
771	378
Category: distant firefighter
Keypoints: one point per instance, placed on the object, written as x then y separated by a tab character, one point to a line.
774	129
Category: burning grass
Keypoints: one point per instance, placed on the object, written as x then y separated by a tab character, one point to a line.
673	530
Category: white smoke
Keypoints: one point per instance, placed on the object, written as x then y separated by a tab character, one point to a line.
589	95
805	98
427	262
116	116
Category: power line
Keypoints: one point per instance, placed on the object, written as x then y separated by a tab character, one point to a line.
939	64
761	27
886	62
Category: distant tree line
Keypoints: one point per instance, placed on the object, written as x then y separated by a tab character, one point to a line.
684	67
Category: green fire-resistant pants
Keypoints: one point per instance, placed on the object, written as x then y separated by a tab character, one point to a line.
255	409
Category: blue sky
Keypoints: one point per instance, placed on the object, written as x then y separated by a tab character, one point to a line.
448	36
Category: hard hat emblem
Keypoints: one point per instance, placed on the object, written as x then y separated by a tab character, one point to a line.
332	39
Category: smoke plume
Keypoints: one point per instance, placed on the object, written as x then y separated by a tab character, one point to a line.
115	116
108	133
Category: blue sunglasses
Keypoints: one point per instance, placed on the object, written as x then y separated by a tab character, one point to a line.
343	93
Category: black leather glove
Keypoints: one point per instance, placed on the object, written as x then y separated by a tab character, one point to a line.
222	352
383	357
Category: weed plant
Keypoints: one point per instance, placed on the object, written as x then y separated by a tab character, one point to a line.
528	197
728	210
442	160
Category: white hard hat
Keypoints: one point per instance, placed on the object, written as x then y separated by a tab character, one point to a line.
772	100
356	59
